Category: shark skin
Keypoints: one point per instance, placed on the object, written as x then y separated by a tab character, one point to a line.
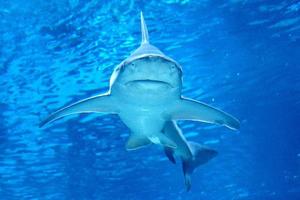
145	92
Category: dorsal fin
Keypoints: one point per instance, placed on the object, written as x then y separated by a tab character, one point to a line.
145	37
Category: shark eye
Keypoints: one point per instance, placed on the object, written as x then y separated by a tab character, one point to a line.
132	66
172	68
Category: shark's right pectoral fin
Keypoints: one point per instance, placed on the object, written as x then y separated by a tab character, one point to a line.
98	104
186	109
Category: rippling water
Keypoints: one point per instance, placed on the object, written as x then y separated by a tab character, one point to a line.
241	56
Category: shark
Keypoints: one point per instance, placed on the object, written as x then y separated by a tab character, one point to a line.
145	92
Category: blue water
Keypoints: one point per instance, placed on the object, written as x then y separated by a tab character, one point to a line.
240	56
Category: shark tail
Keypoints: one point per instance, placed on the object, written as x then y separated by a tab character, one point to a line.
201	155
145	35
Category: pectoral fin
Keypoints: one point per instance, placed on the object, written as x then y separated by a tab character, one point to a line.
98	104
186	109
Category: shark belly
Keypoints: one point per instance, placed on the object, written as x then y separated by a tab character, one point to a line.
141	120
145	121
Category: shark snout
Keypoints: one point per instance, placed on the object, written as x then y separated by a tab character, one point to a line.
150	72
152	66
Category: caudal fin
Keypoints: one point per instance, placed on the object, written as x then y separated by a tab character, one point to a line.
201	155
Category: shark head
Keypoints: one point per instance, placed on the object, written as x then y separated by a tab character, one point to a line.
148	68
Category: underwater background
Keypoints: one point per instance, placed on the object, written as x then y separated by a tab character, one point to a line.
240	56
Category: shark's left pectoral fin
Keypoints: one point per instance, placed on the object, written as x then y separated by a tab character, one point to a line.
99	104
186	109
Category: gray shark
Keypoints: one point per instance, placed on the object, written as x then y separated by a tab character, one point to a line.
145	92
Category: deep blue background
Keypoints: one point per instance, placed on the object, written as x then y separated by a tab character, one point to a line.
238	55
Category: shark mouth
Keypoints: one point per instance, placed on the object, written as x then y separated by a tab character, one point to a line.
149	82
